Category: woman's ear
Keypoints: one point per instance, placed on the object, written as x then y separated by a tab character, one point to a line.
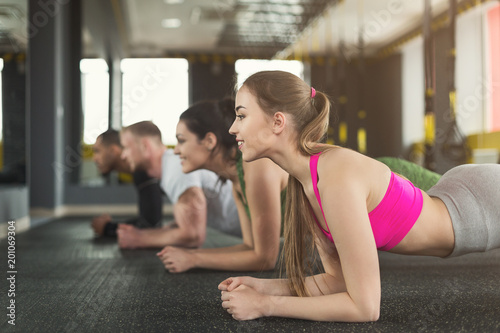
279	122
210	141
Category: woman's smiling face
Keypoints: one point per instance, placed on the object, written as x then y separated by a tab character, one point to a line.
252	127
192	151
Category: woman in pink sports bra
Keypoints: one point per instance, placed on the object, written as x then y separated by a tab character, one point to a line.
344	203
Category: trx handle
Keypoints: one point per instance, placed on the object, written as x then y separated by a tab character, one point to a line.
362	144
362	140
430	129
343	122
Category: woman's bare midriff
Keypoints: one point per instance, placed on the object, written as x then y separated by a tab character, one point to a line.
432	233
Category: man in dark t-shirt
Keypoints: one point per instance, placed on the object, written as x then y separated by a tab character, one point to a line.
107	152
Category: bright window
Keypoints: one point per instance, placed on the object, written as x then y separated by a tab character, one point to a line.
95	98
246	67
156	90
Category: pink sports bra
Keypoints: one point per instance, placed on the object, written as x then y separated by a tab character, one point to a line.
393	217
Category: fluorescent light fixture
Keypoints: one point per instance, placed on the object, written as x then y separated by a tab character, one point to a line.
173	2
195	15
171	23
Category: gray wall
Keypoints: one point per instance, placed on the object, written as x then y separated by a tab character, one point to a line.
13	203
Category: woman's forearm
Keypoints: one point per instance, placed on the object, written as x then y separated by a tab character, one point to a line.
236	260
168	236
324	284
274	287
335	307
317	285
234	248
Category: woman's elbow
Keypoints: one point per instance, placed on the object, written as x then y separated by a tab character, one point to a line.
269	265
374	315
370	312
192	238
267	262
197	240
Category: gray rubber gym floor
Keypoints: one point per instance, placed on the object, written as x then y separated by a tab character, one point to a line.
67	281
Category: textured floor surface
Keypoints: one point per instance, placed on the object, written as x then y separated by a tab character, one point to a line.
67	281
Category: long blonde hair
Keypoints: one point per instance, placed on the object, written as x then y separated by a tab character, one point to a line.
281	91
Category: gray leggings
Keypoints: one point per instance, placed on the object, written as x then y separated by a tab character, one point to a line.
471	192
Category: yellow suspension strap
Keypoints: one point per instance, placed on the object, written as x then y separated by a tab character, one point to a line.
429	120
362	132
343	122
453	103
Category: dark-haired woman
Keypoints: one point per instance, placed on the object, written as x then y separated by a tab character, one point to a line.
204	142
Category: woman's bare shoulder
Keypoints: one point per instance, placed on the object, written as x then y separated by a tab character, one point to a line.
341	160
346	167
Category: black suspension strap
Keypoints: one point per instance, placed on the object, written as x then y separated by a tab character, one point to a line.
429	68
454	146
361	115
342	82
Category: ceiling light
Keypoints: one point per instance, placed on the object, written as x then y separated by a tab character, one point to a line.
195	15
171	23
173	2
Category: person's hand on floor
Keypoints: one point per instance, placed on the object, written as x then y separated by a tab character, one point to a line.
128	236
99	222
177	260
244	303
232	283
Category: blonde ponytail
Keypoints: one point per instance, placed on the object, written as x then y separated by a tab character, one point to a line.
316	129
298	245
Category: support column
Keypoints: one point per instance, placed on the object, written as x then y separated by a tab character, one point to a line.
54	102
115	93
14	117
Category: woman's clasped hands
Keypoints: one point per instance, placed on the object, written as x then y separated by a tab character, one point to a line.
241	298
